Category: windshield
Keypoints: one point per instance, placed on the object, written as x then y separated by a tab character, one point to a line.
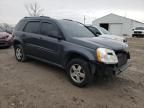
75	29
104	31
139	28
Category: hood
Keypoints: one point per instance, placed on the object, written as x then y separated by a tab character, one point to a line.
113	37
3	34
96	42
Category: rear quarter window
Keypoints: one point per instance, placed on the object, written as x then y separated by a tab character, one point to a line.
20	25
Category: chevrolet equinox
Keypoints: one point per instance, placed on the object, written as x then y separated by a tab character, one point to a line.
70	45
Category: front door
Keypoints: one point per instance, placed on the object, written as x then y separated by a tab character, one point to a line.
51	47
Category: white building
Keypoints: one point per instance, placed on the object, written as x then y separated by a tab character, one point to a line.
118	25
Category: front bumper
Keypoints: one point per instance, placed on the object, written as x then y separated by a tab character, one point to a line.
137	35
108	70
122	68
5	43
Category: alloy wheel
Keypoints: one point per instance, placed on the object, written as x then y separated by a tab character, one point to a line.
77	73
19	53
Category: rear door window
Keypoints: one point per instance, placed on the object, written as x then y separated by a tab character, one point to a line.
32	27
20	25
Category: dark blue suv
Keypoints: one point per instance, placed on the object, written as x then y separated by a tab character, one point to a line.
71	46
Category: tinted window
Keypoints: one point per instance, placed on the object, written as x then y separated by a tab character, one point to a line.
75	29
32	27
20	25
49	29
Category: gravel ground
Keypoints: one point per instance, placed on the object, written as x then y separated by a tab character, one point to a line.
34	84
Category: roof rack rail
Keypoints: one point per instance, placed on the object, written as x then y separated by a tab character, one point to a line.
72	20
36	16
68	19
45	16
29	17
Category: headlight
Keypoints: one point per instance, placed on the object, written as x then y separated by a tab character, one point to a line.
106	56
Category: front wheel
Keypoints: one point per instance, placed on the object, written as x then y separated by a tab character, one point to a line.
79	72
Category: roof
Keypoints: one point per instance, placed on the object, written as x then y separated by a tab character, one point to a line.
37	17
119	16
46	17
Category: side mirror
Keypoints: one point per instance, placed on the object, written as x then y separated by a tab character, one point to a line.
132	29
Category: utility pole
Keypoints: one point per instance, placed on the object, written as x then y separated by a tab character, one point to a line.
84	19
125	14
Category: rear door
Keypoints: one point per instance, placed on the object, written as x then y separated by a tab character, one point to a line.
31	37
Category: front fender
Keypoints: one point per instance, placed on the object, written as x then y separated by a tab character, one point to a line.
17	41
70	48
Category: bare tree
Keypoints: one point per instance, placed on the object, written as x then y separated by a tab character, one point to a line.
34	9
4	27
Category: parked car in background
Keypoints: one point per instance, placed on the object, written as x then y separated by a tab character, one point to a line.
103	33
71	46
138	32
6	39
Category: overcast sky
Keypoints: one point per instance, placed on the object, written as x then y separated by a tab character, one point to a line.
11	11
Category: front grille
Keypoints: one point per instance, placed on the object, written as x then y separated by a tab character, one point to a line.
2	43
137	32
122	58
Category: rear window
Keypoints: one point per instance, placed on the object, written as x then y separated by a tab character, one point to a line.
32	27
20	25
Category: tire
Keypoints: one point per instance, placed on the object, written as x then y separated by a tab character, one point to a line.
19	53
79	73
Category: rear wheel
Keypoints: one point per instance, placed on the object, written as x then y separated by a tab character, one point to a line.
79	72
19	53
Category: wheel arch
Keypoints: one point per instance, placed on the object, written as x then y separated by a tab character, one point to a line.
71	55
16	42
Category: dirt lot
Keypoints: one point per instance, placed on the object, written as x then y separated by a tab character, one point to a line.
37	85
